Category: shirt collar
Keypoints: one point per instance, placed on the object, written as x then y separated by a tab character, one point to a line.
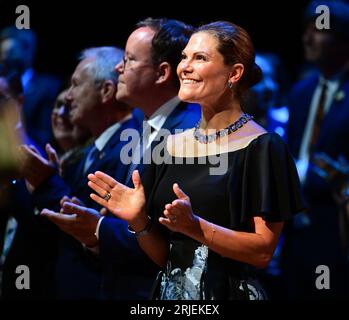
103	139
331	83
335	79
158	119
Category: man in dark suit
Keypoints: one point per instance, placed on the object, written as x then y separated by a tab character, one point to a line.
319	117
148	80
93	106
162	110
17	52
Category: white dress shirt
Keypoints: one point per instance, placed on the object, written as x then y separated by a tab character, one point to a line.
156	121
332	88
103	139
100	143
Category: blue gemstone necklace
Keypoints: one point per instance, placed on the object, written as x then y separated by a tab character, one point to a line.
202	138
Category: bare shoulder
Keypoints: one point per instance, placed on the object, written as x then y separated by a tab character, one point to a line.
184	144
176	143
253	128
243	137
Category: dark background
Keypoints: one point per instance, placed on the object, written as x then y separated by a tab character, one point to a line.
66	27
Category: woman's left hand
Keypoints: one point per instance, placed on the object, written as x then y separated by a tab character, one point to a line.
179	216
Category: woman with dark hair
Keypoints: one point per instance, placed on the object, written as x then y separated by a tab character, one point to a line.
224	220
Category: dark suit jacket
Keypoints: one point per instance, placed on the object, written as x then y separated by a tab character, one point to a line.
319	242
334	129
39	99
77	269
34	245
127	272
28	247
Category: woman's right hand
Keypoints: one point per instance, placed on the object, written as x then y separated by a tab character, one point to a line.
125	203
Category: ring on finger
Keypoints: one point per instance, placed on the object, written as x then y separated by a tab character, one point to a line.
107	196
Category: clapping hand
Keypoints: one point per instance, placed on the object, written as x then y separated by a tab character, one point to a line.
35	168
78	202
179	216
76	220
125	203
74	200
336	172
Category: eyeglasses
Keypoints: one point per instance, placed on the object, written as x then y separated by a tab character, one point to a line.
128	64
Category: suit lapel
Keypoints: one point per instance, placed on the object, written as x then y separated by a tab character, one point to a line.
182	117
176	117
103	156
302	117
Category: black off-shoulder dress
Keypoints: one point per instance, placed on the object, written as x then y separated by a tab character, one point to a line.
257	180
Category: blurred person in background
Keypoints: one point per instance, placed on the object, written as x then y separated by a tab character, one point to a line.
319	117
25	229
17	53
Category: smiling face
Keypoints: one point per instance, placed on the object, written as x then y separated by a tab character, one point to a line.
61	126
202	72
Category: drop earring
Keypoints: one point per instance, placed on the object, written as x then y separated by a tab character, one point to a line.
230	85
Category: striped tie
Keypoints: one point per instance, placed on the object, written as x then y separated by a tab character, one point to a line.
318	118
